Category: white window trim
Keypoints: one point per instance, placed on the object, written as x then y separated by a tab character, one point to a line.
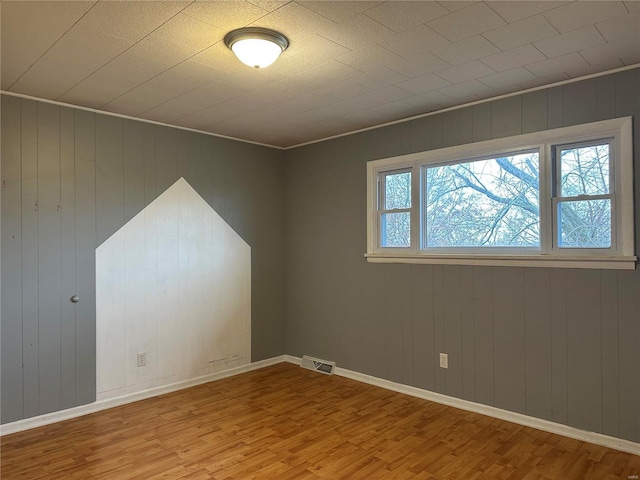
622	257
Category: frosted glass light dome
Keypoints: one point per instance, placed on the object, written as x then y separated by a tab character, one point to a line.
256	47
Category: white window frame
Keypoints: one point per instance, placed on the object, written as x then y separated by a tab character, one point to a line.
382	201
557	198
621	255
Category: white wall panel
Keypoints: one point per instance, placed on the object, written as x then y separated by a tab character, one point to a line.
134	298
110	297
174	282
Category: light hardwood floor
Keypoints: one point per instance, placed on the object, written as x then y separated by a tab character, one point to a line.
284	422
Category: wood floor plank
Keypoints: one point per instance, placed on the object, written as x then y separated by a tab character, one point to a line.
287	423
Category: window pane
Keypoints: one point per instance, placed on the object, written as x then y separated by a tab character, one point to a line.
396	229
585	224
584	171
397	191
485	203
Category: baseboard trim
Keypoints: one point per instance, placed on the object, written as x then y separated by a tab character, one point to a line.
46	419
292	359
518	418
540	424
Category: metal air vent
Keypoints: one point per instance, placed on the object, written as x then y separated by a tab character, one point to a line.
322	366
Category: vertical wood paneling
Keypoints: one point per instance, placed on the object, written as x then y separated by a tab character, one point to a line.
466	125
296	269
11	400
436	131
558	319
110	338
555	107
627	101
30	337
422	316
394	140
537	343
167	281
610	352
352	265
421	134
68	259
534	111
86	242
506	117
580	102
438	327
481	122
407	327
235	203
509	344
109	176
149	140
373	335
326	305
354	322
332	308
452	302
605	98
150	281
194	161
182	165
133	168
166	166
393	318
629	366
584	354
214	171
301	308
467	324
451	128
109	151
134	308
49	257
484	334
134	254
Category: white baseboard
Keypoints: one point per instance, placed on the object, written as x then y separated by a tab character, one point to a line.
540	424
545	425
292	359
74	412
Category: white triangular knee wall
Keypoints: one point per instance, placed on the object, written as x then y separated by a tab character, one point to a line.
174	282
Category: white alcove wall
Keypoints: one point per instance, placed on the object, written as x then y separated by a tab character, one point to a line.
174	282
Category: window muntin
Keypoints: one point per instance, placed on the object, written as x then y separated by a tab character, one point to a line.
593	245
483	203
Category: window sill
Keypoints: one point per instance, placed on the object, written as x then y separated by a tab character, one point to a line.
555	261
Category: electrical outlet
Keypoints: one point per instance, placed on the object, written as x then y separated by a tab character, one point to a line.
444	360
142	359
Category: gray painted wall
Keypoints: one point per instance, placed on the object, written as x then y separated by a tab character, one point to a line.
557	344
70	179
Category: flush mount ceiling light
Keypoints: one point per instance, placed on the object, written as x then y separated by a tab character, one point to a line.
255	46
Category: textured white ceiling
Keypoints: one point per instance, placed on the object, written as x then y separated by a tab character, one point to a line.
350	65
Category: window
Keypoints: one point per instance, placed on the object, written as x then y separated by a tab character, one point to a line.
395	210
489	202
583	198
556	198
